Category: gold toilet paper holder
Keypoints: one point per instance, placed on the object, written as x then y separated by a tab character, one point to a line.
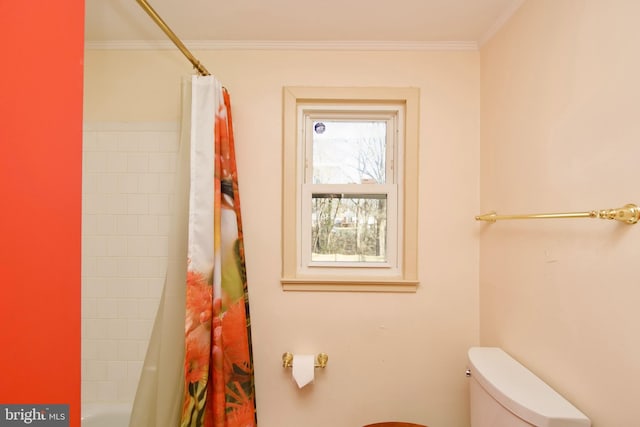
321	360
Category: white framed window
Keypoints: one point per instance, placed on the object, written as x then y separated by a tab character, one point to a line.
350	189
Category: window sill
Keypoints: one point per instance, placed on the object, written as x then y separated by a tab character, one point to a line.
348	285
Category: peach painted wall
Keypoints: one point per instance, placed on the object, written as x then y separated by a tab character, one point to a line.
392	356
40	169
560	132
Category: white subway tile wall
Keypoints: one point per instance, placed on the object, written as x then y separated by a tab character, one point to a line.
127	183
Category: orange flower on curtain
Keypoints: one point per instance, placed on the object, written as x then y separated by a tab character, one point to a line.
219	383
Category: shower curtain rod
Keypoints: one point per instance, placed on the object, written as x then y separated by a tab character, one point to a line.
629	214
164	27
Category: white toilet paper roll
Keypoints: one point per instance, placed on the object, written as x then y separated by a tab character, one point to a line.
303	368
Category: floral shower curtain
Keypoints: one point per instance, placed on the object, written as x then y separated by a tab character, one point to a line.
202	374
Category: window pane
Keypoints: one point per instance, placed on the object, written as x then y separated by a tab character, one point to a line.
349	227
349	151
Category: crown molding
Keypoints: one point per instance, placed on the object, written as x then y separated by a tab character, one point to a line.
284	45
130	126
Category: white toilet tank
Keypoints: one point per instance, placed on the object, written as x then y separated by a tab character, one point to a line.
506	394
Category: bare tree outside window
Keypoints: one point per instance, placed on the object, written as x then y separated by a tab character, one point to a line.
349	227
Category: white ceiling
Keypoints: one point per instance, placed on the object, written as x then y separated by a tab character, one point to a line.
300	20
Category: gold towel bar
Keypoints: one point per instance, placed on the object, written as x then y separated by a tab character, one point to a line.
629	214
321	360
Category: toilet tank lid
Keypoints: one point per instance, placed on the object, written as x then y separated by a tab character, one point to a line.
520	391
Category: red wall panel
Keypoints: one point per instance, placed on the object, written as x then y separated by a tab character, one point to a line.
40	202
